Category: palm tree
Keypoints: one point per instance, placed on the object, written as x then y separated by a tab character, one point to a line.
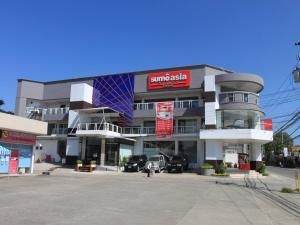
1	102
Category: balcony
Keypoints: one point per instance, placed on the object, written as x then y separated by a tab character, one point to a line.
59	131
47	114
98	129
186	104
146	131
239	100
186	108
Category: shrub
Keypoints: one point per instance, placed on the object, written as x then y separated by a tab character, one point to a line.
220	169
221	174
261	168
93	162
265	174
79	161
123	161
229	165
207	166
286	190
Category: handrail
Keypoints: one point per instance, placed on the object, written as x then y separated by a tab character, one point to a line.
151	130
99	126
47	111
177	104
59	131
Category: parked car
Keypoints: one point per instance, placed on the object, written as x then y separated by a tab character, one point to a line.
135	163
158	163
178	163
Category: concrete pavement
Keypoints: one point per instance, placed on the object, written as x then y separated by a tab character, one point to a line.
131	198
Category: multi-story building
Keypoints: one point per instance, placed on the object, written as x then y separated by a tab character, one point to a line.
216	115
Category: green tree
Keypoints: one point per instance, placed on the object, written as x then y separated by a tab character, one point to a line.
280	140
3	111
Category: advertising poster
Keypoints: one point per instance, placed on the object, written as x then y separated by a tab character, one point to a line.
164	119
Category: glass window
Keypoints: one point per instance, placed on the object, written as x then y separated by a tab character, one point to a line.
238	119
246	98
189	148
230	97
166	148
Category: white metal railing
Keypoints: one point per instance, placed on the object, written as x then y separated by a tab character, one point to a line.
177	104
151	130
99	126
47	111
56	131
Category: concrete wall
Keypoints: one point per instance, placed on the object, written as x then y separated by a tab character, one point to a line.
214	150
21	124
25	90
73	147
49	147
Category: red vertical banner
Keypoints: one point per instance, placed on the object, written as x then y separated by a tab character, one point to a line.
14	160
164	119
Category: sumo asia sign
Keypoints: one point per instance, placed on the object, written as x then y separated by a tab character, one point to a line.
174	79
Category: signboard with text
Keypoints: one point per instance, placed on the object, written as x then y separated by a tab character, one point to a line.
15	137
164	119
174	79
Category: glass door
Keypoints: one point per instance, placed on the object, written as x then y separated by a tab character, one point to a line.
111	154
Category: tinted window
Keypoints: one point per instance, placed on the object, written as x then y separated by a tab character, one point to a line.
176	157
154	158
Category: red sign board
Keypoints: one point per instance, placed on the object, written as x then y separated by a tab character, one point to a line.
164	119
174	79
16	137
267	124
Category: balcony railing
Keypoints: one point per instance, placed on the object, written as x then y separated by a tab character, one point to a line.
99	126
177	104
238	97
46	111
59	131
151	130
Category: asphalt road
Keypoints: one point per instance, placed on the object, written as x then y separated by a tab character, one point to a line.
285	172
133	199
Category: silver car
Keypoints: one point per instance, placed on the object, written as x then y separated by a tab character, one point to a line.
157	163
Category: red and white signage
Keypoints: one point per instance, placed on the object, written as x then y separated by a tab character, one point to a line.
164	119
174	79
15	137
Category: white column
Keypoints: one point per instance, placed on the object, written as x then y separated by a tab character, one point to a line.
32	160
176	147
214	150
102	154
256	154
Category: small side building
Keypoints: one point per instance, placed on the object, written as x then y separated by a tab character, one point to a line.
17	142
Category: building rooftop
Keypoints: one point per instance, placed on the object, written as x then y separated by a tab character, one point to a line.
137	72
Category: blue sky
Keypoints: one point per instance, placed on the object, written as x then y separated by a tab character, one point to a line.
50	40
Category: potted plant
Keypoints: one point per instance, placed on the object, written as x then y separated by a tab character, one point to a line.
207	169
93	164
78	164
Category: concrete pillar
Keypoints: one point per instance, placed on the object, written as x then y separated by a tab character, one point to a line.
214	152
176	147
255	156
102	154
83	148
245	149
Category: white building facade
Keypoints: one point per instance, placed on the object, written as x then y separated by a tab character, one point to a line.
216	115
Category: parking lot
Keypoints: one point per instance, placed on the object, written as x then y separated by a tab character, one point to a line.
132	198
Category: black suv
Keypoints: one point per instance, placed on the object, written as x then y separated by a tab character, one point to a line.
178	163
135	163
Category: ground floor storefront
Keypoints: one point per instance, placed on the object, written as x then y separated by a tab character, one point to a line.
16	152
